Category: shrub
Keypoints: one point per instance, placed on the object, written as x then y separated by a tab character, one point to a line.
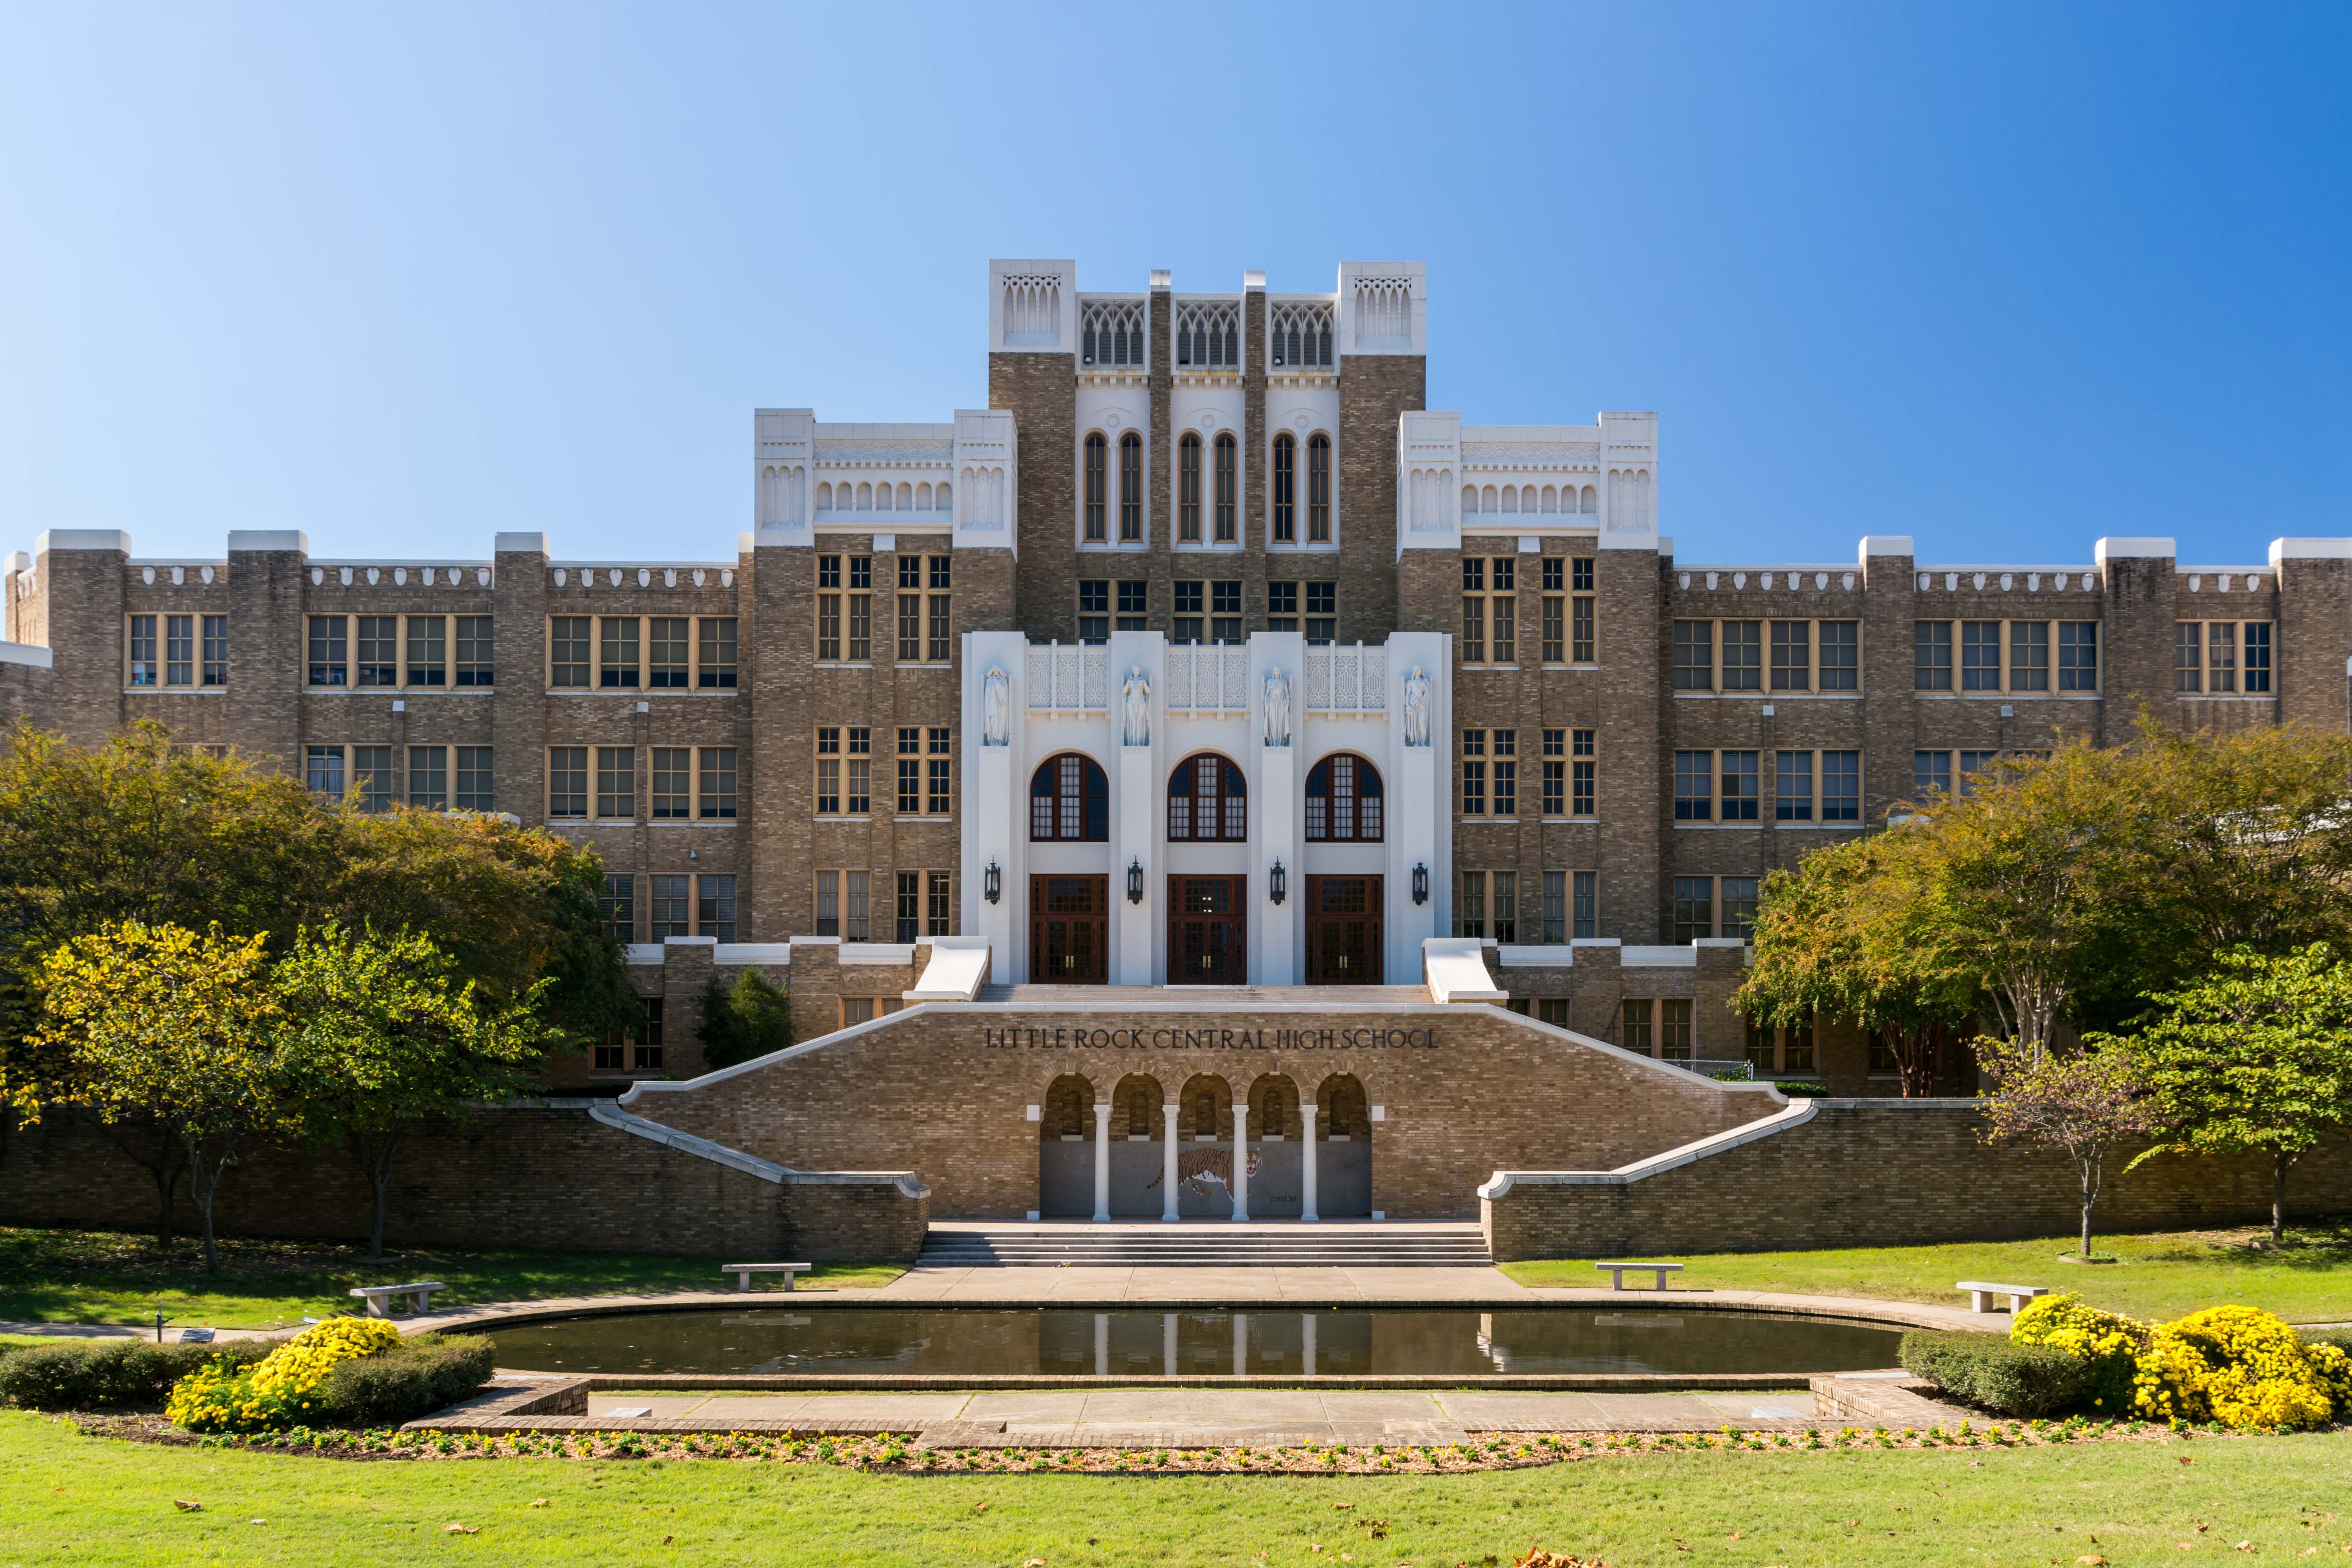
2242	1367
414	1378
1801	1088
1994	1373
2107	1345
278	1392
109	1375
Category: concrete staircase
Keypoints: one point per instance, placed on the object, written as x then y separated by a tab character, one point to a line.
1205	1244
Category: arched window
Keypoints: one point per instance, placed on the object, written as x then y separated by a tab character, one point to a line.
1139	1114
1286	489
1188	488
1207	799
1069	797
1318	489
1228	506
1343	800
1131	487
1204	1115
1097	484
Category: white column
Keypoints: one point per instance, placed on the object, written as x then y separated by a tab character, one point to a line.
1306	1161
1306	1342
1102	1345
1102	1160
1168	1342
1168	1164
1241	1344
1241	1158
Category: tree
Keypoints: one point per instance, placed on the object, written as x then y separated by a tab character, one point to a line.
384	1035
160	1023
750	1018
2084	1101
2255	1058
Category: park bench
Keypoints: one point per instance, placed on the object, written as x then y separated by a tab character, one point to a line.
743	1272
1617	1272
378	1297
1981	1294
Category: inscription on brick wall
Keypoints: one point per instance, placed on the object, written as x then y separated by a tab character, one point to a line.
1080	1039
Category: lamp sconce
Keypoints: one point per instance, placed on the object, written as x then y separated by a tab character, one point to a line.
1277	883
1135	881
992	882
1420	883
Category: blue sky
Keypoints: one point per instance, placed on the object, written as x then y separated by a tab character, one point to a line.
2005	277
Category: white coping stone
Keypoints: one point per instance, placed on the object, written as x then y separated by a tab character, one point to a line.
958	969
1640	956
877	953
642	954
292	538
752	952
81	538
27	654
1885	544
2310	549
1455	969
2108	550
520	544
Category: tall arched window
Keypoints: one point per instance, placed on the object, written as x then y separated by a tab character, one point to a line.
1188	488
1286	489
1228	504
1318	489
1130	489
1097	486
1343	800
1207	799
1069	797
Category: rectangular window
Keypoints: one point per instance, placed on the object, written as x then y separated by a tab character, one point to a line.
1505	616
178	650
1740	783
1470	915
1581	623
668	654
911	629
477	657
1096	500
2187	655
329	653
854	917
1094	612
1584	794
215	650
1284	475
1188	489
379	651
2029	656
1489	609
1693	656
567	651
428	777
938	905
428	650
828	607
1636	1033
1506	906
861	610
719	784
939	646
1228	490
1581	574
617	653
1793	786
715	668
1739	906
371	776
2078	656
2258	657
2220	656
476	790
1130	489
1797	1048
1555	773
910	572
670	908
616	781
714	915
1189	620
617	907
828	903
1931	656
1226	613
1693	786
1319	490
567	782
1840	655
1792	665
940	796
1474	609
828	771
1980	656
1675	1029
1322	613
648	1052
1555	628
672	784
1506	773
1473	772
857	796
1931	774
942	573
1743	655
323	771
1759	1049
1555	907
1693	909
910	919
1973	765
1841	786
1282	607
910	772
1587	909
1133	598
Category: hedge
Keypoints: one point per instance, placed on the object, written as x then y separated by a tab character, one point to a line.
109	1375
415	1377
1993	1374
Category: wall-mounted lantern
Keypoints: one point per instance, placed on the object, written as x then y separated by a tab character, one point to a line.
992	882
1277	883
1135	881
1420	883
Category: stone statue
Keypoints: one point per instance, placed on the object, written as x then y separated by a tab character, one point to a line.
995	700
1277	707
1135	708
1416	708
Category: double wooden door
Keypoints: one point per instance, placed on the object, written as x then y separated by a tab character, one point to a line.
1343	931
1207	930
1069	930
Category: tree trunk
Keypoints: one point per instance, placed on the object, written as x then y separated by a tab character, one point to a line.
377	1163
2087	1162
2278	1198
163	1168
204	1180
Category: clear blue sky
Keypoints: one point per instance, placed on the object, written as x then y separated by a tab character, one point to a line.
2005	277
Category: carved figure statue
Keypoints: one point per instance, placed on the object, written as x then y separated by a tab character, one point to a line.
1416	708
1277	707
1135	708
995	702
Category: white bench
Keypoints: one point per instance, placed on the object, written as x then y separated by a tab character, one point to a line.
1617	1272
419	1294
1981	1294
743	1272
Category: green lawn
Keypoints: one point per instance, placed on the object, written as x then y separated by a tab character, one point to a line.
2309	1280
94	1500
104	1277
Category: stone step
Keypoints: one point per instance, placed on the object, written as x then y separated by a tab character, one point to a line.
1207	1244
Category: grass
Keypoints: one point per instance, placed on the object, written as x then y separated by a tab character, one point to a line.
2161	1275
107	1277
98	1502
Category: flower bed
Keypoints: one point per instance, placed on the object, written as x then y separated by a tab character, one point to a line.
343	1371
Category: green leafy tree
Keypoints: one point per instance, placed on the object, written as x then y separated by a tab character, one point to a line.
382	1036
158	1024
750	1019
2255	1058
2083	1102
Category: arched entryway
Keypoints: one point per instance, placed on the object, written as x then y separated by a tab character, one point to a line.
1277	1168
1065	1132
1342	1132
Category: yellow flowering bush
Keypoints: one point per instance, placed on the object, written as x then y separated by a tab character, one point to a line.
274	1394
2242	1367
2110	1344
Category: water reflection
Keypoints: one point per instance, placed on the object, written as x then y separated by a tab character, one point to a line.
1143	1345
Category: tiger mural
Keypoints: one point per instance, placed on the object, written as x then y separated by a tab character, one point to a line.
1199	1168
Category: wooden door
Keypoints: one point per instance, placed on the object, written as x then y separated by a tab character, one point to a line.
1069	930
1207	930
1343	931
